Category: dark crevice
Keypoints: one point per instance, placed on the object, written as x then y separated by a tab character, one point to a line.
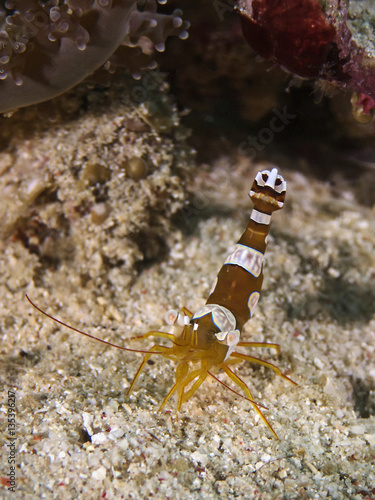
364	398
84	436
153	246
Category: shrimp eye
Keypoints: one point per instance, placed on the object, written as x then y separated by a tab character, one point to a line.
265	177
278	182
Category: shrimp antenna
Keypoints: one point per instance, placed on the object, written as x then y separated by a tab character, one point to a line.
87	334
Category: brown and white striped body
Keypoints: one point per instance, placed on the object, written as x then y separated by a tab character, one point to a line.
237	288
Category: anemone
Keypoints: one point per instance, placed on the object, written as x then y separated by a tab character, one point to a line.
48	47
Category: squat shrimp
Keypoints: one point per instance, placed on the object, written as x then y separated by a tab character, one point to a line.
210	336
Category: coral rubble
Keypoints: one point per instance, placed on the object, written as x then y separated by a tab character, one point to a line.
109	173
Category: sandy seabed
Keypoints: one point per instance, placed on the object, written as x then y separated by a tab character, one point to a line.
74	249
